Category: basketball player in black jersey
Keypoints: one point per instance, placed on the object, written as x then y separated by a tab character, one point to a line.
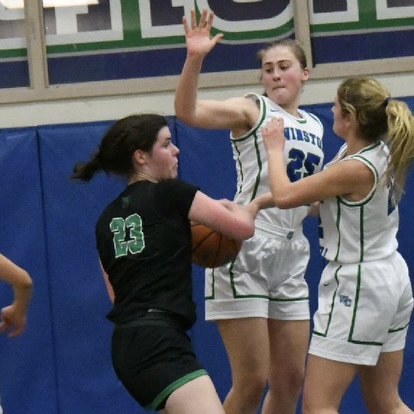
144	244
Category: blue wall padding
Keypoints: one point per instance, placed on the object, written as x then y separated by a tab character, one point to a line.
62	364
206	160
79	302
28	374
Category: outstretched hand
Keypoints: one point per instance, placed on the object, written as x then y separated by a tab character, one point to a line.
198	39
273	133
12	320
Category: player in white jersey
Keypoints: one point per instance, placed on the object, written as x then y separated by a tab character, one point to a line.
365	295
362	230
260	301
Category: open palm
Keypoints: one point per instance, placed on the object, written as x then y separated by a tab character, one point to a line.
198	39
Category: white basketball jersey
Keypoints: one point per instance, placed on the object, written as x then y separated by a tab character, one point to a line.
365	230
303	155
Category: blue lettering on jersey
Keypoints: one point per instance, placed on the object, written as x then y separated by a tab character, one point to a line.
320	227
392	202
301	164
346	300
295	134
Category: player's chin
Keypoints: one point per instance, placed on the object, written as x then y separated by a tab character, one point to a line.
281	99
282	96
174	172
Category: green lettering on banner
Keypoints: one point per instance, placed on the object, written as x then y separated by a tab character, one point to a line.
133	25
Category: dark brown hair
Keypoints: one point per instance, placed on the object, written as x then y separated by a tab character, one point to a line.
118	145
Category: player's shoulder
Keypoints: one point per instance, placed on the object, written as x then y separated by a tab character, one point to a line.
261	101
313	120
309	115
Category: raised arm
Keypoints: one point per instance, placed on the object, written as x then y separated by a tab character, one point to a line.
235	113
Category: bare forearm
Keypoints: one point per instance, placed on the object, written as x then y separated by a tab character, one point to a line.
278	179
244	213
19	279
23	295
264	201
187	89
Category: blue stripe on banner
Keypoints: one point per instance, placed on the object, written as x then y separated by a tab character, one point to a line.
14	74
147	63
224	58
342	48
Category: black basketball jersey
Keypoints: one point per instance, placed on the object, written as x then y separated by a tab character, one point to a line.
144	244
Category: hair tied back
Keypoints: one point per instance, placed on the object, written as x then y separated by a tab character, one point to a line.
386	100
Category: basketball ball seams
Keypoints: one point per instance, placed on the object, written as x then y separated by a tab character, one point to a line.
220	239
211	248
202	240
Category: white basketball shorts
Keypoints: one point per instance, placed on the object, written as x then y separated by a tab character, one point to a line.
363	309
266	280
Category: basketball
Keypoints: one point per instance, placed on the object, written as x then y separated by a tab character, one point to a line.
211	248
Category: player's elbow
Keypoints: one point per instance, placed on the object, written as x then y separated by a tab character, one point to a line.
183	113
187	117
192	115
25	282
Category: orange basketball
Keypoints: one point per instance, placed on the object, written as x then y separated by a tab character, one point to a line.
211	248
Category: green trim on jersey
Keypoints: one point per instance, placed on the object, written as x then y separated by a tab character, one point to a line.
325	334
316	119
338	219
252	134
355	310
361	232
351	339
399	329
237	296
174	386
358	204
259	165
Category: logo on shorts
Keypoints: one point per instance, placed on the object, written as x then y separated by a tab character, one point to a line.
346	300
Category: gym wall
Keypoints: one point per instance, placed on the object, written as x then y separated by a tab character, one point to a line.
61	365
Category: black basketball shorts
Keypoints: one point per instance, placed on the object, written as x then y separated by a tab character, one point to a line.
152	361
